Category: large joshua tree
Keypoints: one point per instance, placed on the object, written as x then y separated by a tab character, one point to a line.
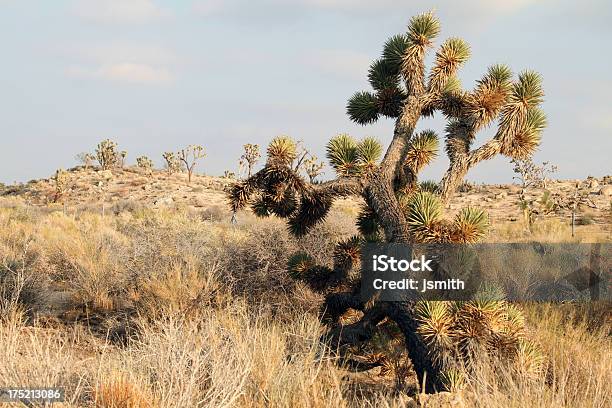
438	336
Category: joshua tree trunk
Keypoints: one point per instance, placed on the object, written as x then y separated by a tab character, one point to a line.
381	192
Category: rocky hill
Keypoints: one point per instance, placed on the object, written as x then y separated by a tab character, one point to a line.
133	186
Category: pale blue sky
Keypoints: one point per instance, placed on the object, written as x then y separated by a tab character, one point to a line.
156	75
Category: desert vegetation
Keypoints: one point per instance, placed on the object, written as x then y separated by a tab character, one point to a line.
189	157
131	286
249	158
166	308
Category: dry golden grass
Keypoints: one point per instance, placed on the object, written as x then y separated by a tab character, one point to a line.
167	308
119	391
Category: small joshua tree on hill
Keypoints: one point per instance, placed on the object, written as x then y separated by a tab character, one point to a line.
60	181
145	163
86	159
531	175
439	337
121	158
189	157
173	164
250	157
107	154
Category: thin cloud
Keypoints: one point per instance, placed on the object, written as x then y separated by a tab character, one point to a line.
119	11
127	72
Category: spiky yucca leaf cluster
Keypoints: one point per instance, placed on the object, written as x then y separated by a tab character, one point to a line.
423	212
449	57
429	185
423	150
402	58
282	151
302	267
349	157
522	121
457	333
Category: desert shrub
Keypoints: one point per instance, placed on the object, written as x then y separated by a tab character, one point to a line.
118	390
89	255
466	187
586	219
129	206
24	272
215	213
206	328
146	164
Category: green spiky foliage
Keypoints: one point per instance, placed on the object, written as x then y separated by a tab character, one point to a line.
282	151
457	334
438	337
423	149
424	216
342	155
350	158
369	151
429	185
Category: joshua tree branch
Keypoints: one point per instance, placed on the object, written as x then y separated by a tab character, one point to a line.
462	163
344	186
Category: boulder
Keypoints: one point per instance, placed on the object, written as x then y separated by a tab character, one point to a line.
164	201
593	183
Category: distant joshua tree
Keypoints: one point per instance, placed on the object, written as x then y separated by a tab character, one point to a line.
107	155
530	174
145	163
189	157
313	168
86	159
61	181
121	157
250	157
173	164
439	337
